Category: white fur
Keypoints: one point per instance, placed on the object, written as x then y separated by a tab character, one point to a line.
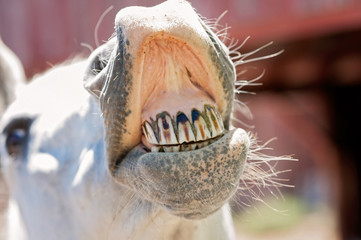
61	188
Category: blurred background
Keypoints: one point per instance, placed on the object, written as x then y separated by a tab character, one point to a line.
310	97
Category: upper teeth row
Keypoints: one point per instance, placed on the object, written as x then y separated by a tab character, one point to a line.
175	130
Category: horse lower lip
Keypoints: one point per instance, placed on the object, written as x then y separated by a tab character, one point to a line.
167	176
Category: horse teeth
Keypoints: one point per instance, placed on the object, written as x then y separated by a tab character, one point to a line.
212	140
167	149
174	148
149	133
219	120
166	130
200	126
188	147
215	126
185	132
201	144
203	130
182	147
156	148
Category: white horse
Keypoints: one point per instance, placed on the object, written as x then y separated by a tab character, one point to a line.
148	154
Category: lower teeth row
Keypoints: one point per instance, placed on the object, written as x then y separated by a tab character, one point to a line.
183	147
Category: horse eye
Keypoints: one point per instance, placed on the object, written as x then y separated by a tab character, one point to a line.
16	134
15	141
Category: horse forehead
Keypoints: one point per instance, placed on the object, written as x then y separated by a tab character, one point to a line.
58	92
68	127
